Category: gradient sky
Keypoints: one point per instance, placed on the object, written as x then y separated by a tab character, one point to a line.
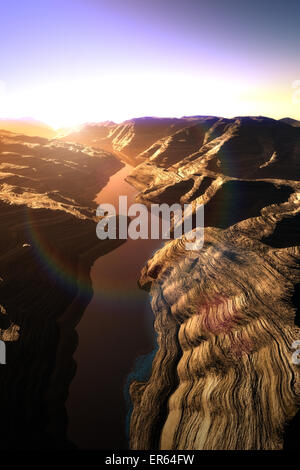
71	61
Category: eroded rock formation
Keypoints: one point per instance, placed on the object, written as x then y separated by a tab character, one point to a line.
48	245
226	315
130	138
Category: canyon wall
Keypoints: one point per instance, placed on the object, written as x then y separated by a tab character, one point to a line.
48	245
226	315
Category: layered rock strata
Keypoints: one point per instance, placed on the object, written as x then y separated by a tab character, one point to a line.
48	245
226	315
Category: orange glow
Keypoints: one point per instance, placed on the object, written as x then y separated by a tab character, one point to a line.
117	98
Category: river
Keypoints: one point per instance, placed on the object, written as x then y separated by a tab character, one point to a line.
114	331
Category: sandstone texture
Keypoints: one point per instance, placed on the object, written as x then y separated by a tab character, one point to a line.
130	138
226	316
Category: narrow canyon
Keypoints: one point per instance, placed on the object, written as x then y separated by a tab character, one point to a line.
143	344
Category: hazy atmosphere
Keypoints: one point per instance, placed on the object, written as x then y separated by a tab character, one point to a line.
67	62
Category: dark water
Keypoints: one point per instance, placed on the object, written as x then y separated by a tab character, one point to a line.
115	330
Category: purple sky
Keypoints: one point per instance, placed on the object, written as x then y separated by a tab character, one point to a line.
70	61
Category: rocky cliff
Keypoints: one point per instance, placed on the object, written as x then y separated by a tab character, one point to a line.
226	315
48	245
130	138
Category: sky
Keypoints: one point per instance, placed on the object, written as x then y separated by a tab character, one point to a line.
66	62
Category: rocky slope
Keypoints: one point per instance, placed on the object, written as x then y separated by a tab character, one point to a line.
130	138
226	315
48	244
